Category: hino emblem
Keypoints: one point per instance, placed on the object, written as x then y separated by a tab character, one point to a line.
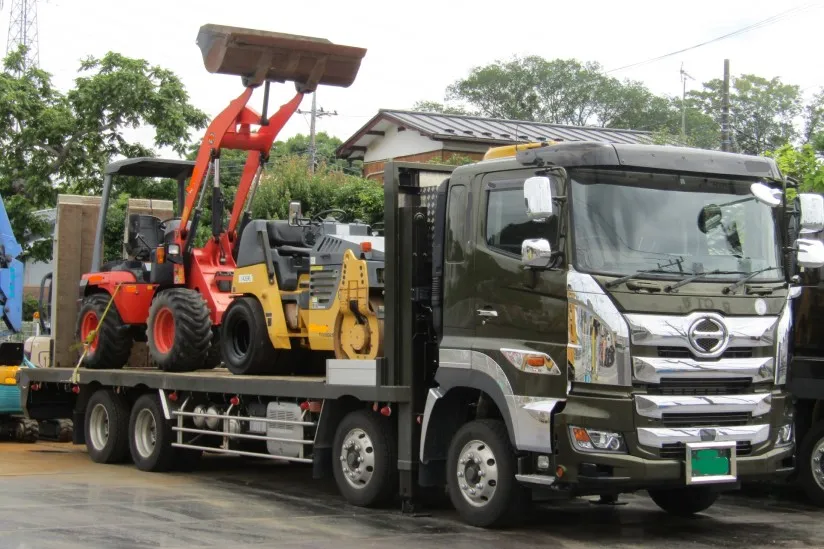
708	336
707	435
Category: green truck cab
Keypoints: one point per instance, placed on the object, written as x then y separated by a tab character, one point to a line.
609	318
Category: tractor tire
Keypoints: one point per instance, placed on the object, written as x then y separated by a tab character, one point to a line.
244	340
112	345
179	330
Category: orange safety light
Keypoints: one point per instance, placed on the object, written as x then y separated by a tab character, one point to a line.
366	247
160	255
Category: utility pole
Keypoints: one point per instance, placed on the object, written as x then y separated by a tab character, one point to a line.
315	115
725	109
684	77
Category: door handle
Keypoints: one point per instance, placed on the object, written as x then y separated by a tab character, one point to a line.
489	313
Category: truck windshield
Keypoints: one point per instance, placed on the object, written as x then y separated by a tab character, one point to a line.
625	222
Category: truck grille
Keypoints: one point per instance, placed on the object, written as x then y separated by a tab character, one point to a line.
678	450
706	420
699	387
683	352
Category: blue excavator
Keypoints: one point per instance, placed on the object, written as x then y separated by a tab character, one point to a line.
13	424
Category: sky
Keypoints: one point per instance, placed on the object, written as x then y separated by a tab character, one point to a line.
416	49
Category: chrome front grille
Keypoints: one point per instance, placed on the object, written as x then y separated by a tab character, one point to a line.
706	419
684	352
679	451
695	387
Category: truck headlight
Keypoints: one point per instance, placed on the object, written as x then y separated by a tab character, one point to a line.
174	249
593	440
785	435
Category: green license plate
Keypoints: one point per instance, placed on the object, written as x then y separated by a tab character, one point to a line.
710	462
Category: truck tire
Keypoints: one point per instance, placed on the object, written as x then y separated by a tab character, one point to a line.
480	475
684	501
811	472
106	427
179	330
150	436
245	345
363	458
113	344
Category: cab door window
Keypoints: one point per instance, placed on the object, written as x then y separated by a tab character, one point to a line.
507	224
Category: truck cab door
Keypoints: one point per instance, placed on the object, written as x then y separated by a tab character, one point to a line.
517	310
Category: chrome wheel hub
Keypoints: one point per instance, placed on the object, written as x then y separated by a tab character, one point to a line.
817	463
357	458
145	433
477	473
99	427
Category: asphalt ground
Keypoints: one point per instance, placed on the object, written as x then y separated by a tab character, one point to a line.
53	496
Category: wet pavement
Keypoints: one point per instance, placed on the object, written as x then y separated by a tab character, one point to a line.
52	495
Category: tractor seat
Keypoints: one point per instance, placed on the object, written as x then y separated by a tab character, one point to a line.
282	234
137	268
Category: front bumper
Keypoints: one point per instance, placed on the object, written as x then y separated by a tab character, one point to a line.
652	458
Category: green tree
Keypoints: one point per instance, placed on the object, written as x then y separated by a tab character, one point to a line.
814	122
802	164
324	189
440	108
59	142
762	111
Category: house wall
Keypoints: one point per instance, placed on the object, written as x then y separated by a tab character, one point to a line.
396	143
374	170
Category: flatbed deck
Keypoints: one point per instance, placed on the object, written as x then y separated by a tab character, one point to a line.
218	380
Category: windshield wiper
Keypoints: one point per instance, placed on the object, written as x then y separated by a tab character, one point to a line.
658	269
733	287
696	276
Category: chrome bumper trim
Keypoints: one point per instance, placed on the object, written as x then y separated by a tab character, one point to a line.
653	369
543	480
655	406
659	436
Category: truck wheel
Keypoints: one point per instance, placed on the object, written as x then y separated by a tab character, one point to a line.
107	427
244	339
112	345
811	464
480	473
363	458
150	436
179	330
684	501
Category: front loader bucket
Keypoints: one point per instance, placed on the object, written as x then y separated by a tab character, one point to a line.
258	56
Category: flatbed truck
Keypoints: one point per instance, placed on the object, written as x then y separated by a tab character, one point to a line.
561	318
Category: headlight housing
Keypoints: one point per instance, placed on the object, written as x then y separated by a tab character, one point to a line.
594	440
785	437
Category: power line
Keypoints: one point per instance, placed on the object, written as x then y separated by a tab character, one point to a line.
763	23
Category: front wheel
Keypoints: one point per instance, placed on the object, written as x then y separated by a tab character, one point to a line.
811	464
481	470
179	330
244	340
684	501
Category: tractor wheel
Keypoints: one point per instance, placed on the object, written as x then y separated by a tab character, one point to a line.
356	340
179	330
112	344
244	340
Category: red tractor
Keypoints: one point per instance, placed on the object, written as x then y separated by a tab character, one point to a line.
172	291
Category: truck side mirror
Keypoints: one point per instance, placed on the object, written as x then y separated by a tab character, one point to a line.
538	197
810	253
811	208
766	195
295	212
533	250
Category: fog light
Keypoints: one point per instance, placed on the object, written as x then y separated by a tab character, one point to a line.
543	462
593	440
785	435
